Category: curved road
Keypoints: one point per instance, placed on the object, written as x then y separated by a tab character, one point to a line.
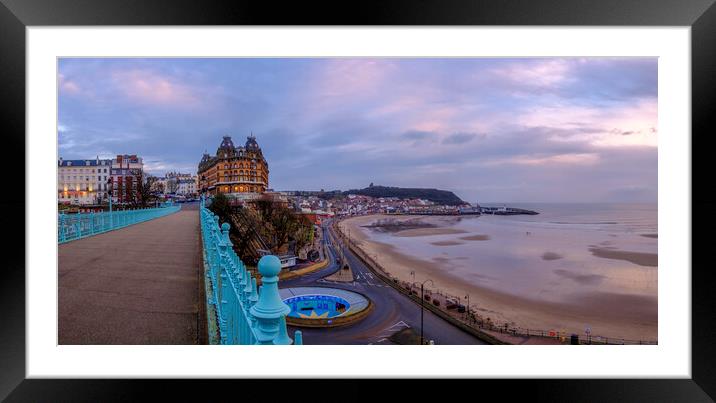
392	311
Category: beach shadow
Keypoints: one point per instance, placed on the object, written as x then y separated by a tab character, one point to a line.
476	238
551	256
583	279
639	258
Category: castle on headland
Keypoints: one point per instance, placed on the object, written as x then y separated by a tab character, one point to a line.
239	171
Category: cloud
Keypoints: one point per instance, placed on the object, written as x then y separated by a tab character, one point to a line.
67	86
148	87
489	129
459	138
564	159
352	77
535	73
416	135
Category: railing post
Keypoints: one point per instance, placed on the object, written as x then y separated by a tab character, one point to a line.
224	287
62	227
282	338
270	308
251	320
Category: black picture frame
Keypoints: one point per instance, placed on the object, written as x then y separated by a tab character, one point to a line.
16	15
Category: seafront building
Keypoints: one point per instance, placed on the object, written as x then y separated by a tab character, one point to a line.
186	186
88	182
180	184
159	185
126	171
241	172
82	182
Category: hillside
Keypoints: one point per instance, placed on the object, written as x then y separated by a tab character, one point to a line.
434	195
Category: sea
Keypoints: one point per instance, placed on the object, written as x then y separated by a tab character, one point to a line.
565	251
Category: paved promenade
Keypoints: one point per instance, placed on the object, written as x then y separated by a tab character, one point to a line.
137	285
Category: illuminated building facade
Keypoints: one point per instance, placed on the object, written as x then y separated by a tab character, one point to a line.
82	182
239	171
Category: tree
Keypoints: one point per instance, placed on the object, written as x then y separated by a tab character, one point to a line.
172	185
282	226
220	206
141	193
159	186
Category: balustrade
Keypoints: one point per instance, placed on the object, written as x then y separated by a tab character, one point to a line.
243	313
82	225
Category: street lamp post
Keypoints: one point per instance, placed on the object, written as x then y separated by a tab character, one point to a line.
422	306
109	195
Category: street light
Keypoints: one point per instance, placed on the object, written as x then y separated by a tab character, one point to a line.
109	194
422	306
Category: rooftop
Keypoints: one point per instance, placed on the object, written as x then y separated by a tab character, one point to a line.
83	163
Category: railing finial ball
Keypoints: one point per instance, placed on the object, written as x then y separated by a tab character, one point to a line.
269	266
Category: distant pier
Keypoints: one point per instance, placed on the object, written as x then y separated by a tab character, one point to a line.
506	211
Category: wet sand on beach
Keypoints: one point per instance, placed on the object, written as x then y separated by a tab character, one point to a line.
445	243
642	259
614	314
476	238
551	256
428	231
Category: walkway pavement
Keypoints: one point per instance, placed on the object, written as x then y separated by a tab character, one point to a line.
142	284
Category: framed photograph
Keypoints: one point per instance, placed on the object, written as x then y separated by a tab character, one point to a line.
469	190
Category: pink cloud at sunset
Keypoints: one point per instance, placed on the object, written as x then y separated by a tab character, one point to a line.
67	86
152	88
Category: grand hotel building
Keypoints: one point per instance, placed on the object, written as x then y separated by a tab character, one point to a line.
234	170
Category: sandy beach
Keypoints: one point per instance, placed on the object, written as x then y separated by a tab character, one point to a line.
611	314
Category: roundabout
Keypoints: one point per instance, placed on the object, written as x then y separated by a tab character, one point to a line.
324	306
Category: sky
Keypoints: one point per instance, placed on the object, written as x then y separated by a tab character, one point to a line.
488	129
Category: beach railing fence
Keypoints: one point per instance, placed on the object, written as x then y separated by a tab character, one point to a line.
237	311
472	319
81	225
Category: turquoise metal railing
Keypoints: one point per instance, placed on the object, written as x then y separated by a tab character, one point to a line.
82	225
241	313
